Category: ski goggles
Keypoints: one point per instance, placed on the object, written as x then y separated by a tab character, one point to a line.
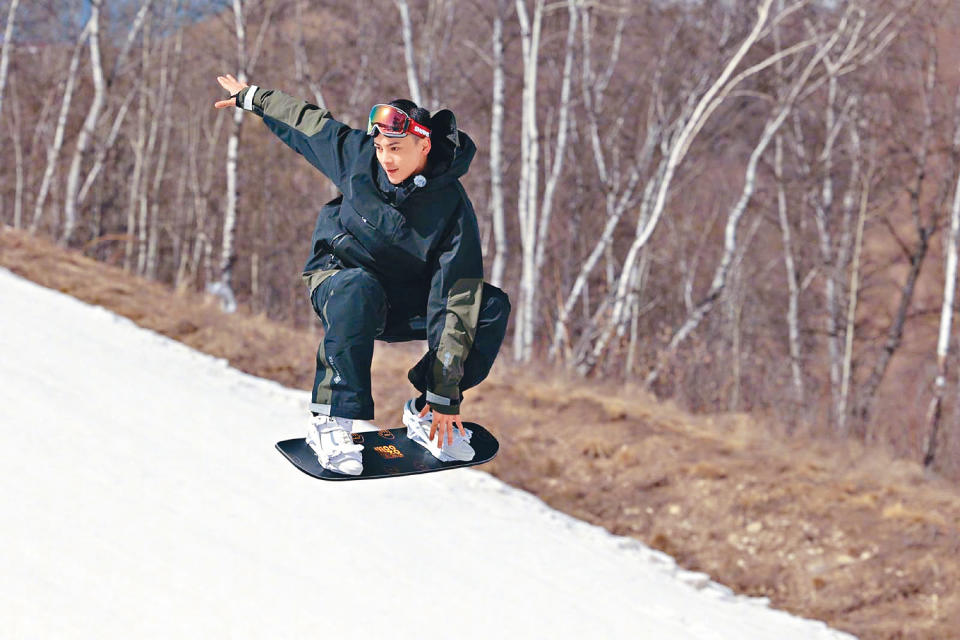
393	123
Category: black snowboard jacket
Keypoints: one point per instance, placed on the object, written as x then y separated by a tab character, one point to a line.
420	241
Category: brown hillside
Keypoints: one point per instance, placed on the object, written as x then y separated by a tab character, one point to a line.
826	530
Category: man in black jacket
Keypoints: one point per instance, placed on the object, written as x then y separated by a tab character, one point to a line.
395	257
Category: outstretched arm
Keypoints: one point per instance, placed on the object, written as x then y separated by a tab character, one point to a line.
327	144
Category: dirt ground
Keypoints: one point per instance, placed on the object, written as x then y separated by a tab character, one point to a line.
824	529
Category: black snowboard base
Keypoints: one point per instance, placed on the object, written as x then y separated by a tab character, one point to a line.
389	452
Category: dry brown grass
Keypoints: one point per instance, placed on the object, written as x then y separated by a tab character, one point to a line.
825	529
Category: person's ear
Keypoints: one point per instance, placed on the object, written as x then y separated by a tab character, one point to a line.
426	146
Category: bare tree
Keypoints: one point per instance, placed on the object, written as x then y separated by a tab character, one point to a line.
496	148
7	47
558	147
529	170
855	273
107	143
406	27
772	126
201	184
619	185
934	413
53	151
86	132
15	123
678	146
924	227
705	106
138	143
246	62
223	286
168	80
301	64
793	281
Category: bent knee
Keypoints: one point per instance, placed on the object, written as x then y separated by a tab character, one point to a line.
361	283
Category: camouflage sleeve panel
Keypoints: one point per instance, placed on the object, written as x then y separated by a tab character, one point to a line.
459	330
326	143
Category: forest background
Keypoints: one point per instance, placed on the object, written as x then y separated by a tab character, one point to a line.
743	206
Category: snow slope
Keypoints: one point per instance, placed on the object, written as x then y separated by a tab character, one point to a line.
141	497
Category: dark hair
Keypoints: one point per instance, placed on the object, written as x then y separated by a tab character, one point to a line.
409	107
440	154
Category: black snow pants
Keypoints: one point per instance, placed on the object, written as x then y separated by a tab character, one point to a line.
356	309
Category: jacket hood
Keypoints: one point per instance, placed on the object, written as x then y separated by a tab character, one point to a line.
452	150
450	162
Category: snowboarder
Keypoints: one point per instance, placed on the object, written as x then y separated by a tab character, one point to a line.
395	257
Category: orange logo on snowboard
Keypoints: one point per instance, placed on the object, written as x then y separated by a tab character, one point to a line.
388	451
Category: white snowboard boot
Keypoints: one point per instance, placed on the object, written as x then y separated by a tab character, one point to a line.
334	446
418	430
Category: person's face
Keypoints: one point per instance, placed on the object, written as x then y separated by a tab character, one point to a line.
401	157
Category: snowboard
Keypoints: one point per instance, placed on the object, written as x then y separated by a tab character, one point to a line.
388	453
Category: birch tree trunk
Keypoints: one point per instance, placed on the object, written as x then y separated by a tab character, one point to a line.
246	62
181	221
793	304
413	80
15	122
943	339
496	151
823	213
852	310
102	149
147	156
168	81
138	145
89	124
121	114
301	63
223	288
200	186
7	47
53	151
793	283
138	22
529	169
934	413
190	259
559	147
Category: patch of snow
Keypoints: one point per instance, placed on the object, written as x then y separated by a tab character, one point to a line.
143	498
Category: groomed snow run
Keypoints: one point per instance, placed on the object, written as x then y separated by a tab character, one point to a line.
142	497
